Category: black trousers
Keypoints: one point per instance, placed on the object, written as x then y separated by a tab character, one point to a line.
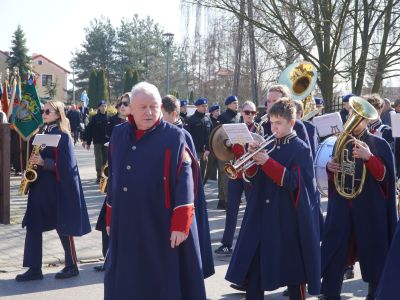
33	249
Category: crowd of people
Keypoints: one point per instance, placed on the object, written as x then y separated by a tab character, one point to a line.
154	223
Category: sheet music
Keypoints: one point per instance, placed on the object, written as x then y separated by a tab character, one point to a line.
48	140
328	124
395	119
238	133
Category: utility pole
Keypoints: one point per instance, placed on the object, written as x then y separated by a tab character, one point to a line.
169	37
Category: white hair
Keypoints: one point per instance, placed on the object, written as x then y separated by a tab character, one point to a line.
146	89
249	103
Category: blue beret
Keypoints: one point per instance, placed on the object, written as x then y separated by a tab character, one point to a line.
230	99
184	102
102	102
201	101
213	108
318	101
346	98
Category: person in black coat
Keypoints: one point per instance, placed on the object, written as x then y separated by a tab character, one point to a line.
183	114
212	164
199	126
74	117
121	115
96	132
55	199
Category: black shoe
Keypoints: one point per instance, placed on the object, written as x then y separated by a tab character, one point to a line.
241	288
348	274
224	250
68	272
370	297
31	274
99	268
285	293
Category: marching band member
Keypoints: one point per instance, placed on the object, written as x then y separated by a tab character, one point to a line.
310	128
278	244
55	199
229	116
276	92
183	110
363	226
121	117
376	127
170	111
236	187
154	247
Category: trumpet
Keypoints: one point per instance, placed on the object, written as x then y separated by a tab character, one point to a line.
246	161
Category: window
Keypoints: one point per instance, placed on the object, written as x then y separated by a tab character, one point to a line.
47	79
40	62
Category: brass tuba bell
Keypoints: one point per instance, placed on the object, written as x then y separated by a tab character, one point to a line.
347	184
301	78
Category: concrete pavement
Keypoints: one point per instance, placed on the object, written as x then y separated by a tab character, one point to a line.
88	285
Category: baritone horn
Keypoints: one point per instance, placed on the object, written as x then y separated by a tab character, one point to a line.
347	184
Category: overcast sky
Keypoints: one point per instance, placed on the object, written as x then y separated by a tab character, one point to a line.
54	28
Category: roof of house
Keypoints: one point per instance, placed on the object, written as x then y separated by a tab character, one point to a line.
50	61
4	53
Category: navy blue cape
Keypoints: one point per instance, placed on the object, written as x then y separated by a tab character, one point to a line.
148	179
56	199
281	221
372	213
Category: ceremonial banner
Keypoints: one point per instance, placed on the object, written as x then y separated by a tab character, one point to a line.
4	97
27	117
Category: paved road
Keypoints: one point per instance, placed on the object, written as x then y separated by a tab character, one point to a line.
88	285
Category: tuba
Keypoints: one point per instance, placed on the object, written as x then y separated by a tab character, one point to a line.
301	78
348	183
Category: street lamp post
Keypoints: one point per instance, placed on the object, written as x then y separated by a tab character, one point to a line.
169	37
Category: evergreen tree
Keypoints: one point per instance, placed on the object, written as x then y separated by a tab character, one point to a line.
191	97
135	78
128	80
102	93
19	54
92	91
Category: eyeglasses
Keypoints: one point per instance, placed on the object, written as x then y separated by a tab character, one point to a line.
249	112
124	103
47	111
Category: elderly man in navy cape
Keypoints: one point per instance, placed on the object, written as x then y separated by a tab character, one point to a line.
154	248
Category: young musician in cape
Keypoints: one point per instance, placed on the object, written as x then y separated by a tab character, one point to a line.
154	248
237	186
55	199
170	110
278	243
359	226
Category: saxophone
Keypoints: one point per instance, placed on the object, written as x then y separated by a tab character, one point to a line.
30	174
103	179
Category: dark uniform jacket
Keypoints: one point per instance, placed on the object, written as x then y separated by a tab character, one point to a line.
74	117
344	114
199	126
229	117
96	129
